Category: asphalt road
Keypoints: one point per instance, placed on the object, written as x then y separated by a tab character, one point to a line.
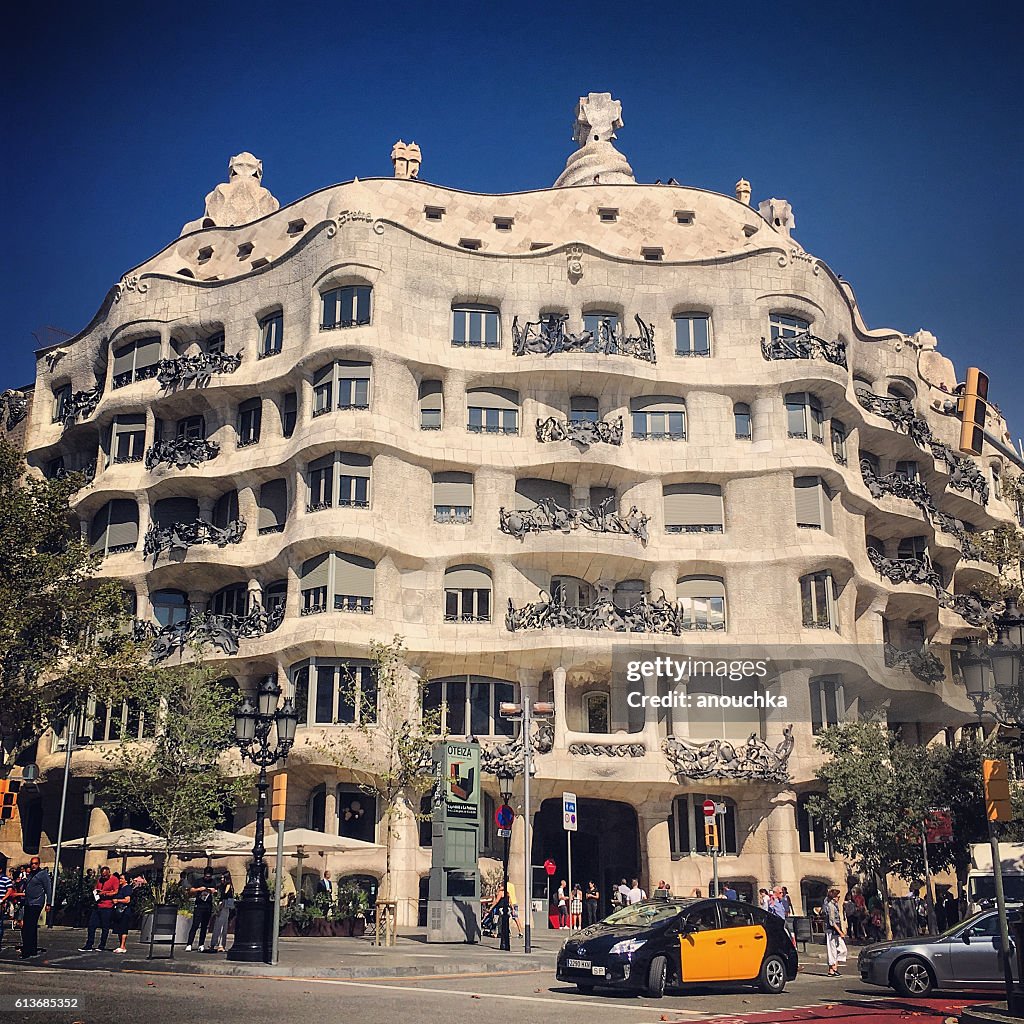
534	996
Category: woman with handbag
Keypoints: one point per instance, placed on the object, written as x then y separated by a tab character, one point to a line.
219	940
835	936
121	915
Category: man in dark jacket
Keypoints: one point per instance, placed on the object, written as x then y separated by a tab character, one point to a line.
38	890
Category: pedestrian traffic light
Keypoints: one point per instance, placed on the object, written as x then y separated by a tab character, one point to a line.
9	799
711	834
279	798
997	791
973	407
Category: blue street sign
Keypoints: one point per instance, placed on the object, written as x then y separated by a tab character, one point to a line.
504	816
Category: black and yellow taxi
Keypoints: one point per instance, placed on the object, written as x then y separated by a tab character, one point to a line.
658	944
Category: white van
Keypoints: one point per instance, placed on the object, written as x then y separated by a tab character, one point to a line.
981	883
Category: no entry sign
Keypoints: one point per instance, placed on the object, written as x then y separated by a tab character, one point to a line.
710	807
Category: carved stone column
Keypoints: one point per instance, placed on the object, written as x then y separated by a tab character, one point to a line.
249	510
255	589
206	506
199	600
331	805
561	725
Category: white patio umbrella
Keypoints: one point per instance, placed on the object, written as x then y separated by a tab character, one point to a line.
320	842
123	840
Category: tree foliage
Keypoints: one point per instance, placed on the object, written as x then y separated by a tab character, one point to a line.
62	632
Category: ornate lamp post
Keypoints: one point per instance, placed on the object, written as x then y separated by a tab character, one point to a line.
88	801
254	921
505	779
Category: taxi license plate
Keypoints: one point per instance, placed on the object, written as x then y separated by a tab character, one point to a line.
579	965
597	970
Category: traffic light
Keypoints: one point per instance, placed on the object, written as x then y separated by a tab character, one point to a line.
711	834
997	791
9	799
973	407
279	798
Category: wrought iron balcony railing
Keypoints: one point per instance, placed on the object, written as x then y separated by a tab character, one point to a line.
920	662
547	336
457	514
805	346
181	452
221	631
645	616
582	432
13	404
548	515
341	324
898	485
182	536
905	570
80	405
198	369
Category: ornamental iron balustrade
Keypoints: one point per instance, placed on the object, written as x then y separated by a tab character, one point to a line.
467	617
81	404
972	607
581	432
659	435
964	475
805	346
645	616
720	759
482	428
506	759
951	525
548	336
182	536
181	452
14	404
905	570
122	380
921	663
898	485
452	515
547	514
340	324
353	603
607	749
221	631
195	369
702	528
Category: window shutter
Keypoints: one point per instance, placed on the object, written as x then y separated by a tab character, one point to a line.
353	464
657	403
467	577
169	511
124	359
826	507
808	497
583	403
324	374
273	510
453	489
492	398
693	505
324	462
353	369
353	575
124	523
529	492
430	394
147	352
700	587
316	572
129	422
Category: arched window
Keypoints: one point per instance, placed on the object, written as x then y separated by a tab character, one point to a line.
338	581
693	508
271	334
583	409
686	825
785	326
744	424
804	416
136	360
702	601
492	411
316	809
658	418
225	511
431	402
348	306
476	326
839	436
289	413
596	711
572	592
470	705
810	829
693	334
357	814
628	593
467	594
115	528
230	600
169	606
275	595
819	601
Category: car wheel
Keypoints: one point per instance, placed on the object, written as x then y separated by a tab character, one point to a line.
912	977
657	975
772	978
584	990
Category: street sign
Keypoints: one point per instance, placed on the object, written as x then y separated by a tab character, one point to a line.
503	817
504	833
569	812
710	808
550	867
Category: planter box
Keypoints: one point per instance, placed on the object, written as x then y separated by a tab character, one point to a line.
343	927
182	925
288	930
359	926
320	929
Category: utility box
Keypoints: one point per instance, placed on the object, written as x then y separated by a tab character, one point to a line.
453	909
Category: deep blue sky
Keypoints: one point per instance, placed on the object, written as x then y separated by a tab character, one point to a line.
894	129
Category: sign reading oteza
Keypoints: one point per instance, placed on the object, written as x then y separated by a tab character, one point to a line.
569	812
462	782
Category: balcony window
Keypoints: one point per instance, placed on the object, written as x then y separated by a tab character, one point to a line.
597	322
61	403
137	360
658	418
873	462
275	596
784	326
813	500
908	470
273	507
596	711
344	692
492	411
913	549
839	436
169	607
583	409
476	327
743	423
693	508
804	416
271	335
469	705
226	511
127	438
289	412
819	601
351	470
348	379
628	593
337	581
453	497
693	334
702	601
115	528
191	428
348	306
167	512
828	703
250	419
572	592
467	594
431	405
230	600
531	492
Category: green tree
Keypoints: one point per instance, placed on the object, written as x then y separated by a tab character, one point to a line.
388	749
178	777
62	633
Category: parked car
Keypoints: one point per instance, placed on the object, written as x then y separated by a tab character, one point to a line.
964	956
659	944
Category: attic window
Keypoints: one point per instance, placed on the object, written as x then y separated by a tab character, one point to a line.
261	262
185	272
433	212
684	216
534	246
504	223
205	253
469	243
608	215
245	250
295	226
750	230
653	254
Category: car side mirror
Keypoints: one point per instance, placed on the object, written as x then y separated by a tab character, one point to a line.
966	938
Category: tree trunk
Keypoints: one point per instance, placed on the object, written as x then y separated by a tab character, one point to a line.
882	881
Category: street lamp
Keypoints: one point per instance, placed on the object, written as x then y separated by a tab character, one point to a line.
506	777
974	667
253	724
88	801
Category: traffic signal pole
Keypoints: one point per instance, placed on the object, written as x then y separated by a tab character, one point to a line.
527	903
714	859
1004	929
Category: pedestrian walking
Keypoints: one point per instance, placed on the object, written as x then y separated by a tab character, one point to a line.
103	894
636	894
37	896
226	907
622	891
764	900
576	908
121	915
835	944
777	903
6	884
563	905
203	893
513	908
591	904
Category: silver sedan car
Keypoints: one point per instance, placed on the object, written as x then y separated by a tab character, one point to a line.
965	956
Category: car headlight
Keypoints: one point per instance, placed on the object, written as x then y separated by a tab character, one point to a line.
627	947
871	954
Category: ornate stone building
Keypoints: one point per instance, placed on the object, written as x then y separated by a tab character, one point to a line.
524	431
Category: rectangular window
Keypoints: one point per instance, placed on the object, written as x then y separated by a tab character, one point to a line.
250	418
353	393
813	501
828	703
839	442
354	492
818	600
321	484
476	328
787	326
271	335
693	335
128	438
289	413
346	307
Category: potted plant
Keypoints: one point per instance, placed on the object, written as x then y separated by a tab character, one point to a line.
352	902
291	921
362	905
319	927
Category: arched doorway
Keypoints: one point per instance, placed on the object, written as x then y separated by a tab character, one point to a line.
605	850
